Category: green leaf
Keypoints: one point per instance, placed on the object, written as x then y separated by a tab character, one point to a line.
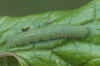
61	52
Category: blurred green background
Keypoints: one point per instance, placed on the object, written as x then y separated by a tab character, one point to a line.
24	7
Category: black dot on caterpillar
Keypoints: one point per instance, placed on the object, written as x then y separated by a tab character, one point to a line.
26	28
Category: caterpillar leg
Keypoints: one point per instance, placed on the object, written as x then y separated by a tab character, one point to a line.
93	62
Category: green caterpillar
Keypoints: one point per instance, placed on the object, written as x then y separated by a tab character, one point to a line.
50	33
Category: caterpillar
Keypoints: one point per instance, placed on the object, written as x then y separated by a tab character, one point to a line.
50	33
